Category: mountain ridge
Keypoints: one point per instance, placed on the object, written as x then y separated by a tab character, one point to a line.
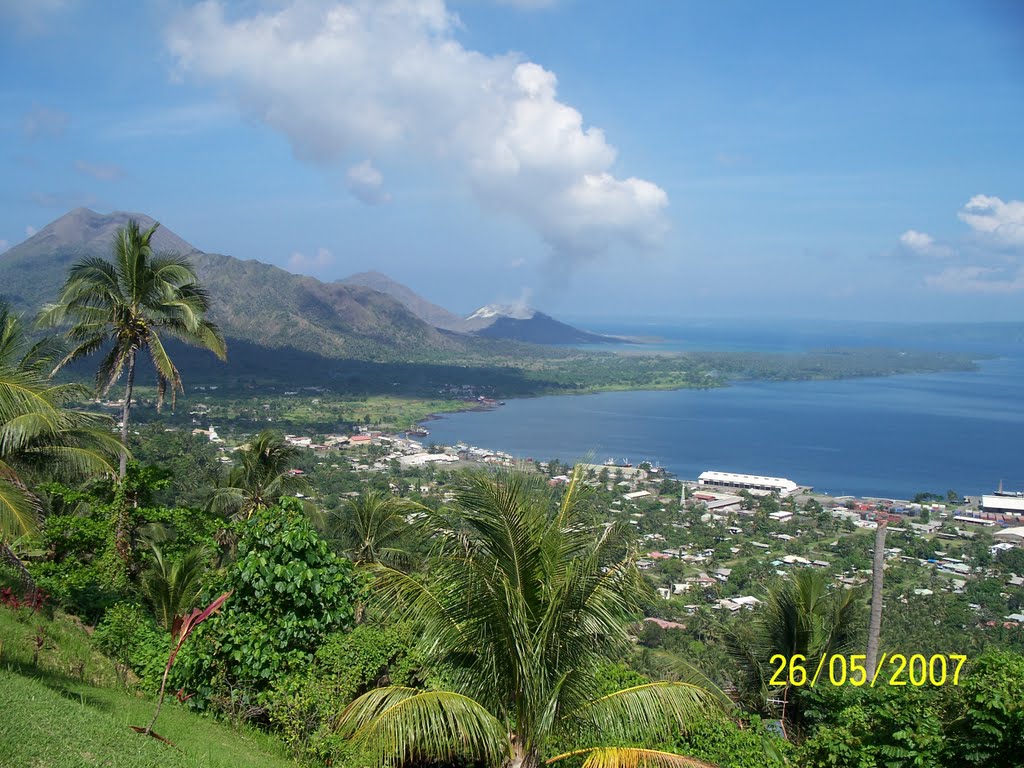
367	316
427	311
493	321
251	300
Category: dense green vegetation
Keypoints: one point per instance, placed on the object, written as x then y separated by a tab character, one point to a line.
358	612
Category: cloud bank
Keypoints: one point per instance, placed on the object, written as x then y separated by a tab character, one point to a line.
389	77
992	218
991	260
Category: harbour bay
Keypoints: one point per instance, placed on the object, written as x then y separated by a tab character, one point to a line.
888	436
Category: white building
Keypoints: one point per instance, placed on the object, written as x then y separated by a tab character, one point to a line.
780	485
974	521
635	495
1003	504
419	459
1012	535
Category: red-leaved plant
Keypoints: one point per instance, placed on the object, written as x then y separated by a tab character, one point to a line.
183	626
33	599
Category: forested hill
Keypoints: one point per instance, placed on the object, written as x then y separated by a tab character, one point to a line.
252	301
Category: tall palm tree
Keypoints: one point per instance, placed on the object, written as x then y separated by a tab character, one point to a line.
373	528
877	577
802	614
39	433
129	306
260	478
524	598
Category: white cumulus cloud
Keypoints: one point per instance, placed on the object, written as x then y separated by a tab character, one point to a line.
988	261
923	244
992	218
366	183
300	262
916	241
380	77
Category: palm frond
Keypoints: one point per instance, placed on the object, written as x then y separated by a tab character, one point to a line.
166	372
20	510
96	458
174	588
397	725
629	757
657	709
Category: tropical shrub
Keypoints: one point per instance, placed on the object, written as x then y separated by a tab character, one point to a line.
303	705
725	744
868	727
290	592
987	722
129	637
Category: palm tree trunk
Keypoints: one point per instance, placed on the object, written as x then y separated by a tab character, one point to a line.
121	542
125	410
521	758
877	574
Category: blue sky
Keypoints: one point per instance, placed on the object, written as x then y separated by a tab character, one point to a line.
596	159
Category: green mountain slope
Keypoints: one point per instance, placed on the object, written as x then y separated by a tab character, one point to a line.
427	311
252	301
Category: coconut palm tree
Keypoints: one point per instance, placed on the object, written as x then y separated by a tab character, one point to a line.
801	614
130	306
373	528
262	475
39	433
524	599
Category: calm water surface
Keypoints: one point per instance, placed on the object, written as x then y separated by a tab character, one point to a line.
892	436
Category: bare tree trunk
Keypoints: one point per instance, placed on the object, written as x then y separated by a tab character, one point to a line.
159	701
877	575
125	410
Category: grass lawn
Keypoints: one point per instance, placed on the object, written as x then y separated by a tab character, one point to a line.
67	710
52	724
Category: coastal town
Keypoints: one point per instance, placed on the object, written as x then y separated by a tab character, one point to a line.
710	542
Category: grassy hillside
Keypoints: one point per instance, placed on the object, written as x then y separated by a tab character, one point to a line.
66	710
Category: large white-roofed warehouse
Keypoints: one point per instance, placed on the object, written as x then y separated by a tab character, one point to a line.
780	485
1002	503
1012	535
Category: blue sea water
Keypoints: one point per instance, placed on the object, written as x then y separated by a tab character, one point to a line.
890	436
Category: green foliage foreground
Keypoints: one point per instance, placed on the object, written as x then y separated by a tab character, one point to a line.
525	599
